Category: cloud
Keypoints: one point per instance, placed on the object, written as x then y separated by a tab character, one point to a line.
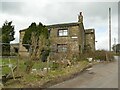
12	7
51	12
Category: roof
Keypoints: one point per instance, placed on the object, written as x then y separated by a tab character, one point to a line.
22	30
63	25
59	25
88	31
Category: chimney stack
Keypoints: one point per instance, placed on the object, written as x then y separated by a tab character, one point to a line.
80	18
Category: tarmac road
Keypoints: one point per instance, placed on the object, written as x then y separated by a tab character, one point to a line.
103	75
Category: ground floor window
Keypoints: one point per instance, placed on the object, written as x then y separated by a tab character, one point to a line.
62	47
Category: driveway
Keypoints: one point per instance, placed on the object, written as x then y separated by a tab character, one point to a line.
103	75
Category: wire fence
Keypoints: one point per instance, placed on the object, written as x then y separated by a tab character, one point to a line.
15	60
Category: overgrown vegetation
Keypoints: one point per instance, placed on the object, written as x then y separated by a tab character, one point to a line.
98	55
56	70
37	43
37	30
40	75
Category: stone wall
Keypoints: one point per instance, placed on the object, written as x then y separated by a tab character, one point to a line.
73	41
22	50
90	39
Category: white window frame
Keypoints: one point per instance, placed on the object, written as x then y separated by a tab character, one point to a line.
62	32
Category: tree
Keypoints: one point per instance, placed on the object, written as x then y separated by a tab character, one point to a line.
116	48
7	36
35	41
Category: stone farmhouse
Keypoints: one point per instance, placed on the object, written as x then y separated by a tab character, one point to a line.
67	40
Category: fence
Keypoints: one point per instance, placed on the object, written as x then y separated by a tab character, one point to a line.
8	62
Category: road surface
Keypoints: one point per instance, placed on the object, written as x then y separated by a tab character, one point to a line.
103	75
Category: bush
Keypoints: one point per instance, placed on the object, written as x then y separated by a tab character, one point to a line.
99	54
55	65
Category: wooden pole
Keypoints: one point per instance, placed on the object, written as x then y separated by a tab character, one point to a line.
18	63
47	64
10	65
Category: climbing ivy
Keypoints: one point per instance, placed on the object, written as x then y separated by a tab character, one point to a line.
38	30
36	41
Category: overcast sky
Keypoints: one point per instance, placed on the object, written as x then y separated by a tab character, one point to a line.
53	12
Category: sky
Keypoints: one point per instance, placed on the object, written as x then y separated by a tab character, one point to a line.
23	13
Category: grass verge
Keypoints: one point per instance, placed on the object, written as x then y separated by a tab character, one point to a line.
48	78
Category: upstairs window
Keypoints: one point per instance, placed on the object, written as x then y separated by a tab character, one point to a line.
63	32
62	47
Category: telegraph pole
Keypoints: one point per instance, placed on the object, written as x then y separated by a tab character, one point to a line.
115	44
109	29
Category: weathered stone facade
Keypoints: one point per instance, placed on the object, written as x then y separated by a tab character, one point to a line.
66	40
22	50
72	41
90	39
14	48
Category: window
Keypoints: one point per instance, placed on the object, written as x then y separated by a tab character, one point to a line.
63	32
62	47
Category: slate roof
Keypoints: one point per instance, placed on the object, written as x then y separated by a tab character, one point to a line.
63	25
60	25
88	31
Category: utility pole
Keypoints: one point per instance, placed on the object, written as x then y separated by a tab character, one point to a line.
115	44
109	29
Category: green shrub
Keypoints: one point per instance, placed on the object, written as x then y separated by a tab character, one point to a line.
99	54
55	65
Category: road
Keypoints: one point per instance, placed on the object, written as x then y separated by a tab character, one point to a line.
103	75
